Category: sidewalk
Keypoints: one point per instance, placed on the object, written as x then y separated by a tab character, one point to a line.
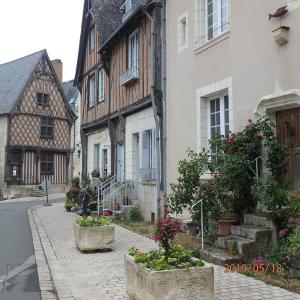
94	276
57	196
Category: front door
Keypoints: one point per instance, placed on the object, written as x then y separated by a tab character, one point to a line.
120	162
15	173
288	131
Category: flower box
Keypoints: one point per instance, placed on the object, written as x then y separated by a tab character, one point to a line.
94	237
180	284
224	227
280	35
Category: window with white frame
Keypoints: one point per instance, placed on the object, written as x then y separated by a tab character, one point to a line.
219	116
182	32
148	171
212	18
133	52
97	156
101	85
217	17
91	91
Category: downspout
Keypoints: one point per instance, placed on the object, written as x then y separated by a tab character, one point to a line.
154	107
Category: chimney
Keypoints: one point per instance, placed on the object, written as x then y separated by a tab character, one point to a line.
58	67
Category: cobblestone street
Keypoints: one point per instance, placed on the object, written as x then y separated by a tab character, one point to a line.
101	275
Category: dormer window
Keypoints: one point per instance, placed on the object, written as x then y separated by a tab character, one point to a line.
92	39
43	99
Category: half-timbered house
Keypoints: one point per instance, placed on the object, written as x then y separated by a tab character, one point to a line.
118	74
35	123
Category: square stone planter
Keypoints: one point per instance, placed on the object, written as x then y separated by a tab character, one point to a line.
95	237
181	284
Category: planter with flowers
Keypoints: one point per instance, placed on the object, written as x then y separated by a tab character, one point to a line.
94	233
170	272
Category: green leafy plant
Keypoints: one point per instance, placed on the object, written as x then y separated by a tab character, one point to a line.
86	181
294	243
233	248
93	205
95	173
76	182
70	202
135	214
90	221
179	258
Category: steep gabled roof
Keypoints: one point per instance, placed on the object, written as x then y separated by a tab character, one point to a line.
107	16
13	78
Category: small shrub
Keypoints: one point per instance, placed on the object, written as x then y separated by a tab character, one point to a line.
93	205
95	173
86	181
90	221
135	214
233	248
69	203
294	243
76	182
179	258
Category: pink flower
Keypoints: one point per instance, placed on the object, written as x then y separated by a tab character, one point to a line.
283	232
292	220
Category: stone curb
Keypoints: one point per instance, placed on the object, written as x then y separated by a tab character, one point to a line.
53	286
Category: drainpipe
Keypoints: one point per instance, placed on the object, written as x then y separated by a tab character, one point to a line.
154	107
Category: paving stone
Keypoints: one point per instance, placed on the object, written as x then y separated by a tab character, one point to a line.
82	276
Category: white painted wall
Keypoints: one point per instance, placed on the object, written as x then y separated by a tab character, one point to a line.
98	137
136	124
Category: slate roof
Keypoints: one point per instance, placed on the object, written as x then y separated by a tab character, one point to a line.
13	78
69	90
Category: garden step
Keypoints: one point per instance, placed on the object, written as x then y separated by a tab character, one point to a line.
258	220
251	231
243	244
218	257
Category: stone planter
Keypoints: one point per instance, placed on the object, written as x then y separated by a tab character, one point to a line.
95	237
181	284
224	226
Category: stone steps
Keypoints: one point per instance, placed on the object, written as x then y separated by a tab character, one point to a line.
218	257
243	244
249	231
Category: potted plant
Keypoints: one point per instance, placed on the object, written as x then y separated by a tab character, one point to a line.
95	173
94	233
93	207
225	222
168	272
69	203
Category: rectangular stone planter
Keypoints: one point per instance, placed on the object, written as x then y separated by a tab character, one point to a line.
95	237
181	284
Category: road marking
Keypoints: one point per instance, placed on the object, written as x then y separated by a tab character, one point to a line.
25	265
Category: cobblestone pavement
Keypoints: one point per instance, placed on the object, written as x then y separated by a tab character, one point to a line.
101	275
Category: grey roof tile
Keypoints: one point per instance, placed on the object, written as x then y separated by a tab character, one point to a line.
13	78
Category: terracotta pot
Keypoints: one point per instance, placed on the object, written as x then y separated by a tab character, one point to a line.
68	208
224	227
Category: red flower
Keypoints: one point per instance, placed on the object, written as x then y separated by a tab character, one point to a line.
216	176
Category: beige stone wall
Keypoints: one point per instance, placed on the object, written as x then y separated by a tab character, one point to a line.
246	58
3	134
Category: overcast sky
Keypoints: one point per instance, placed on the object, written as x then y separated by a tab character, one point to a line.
27	26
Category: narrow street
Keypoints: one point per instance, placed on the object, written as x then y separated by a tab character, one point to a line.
18	272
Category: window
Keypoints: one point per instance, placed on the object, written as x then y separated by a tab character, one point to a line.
219	117
43	99
97	156
101	85
147	171
133	52
47	165
47	127
217	17
91	91
92	39
182	32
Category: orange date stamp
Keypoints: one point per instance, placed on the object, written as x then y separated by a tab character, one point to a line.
257	268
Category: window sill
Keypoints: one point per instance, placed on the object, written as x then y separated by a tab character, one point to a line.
47	137
200	46
101	100
148	182
89	108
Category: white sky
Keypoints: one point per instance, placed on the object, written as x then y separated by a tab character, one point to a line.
27	26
